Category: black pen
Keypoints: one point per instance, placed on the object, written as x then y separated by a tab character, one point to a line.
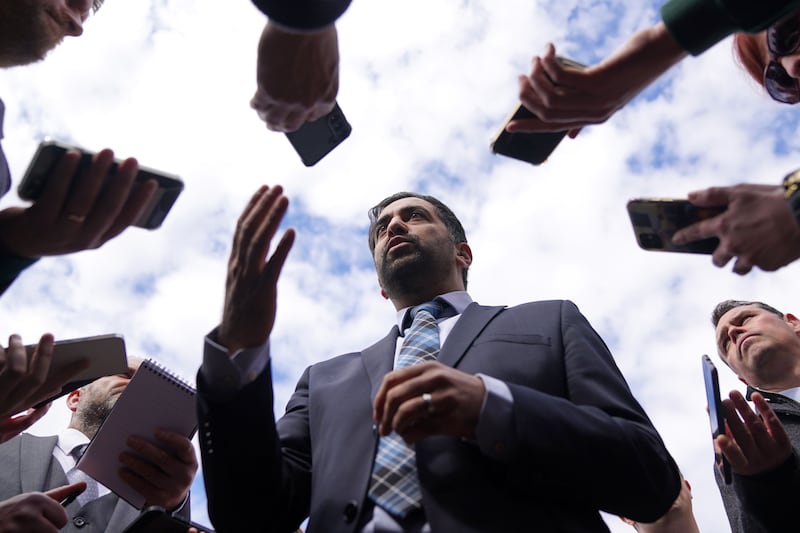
69	499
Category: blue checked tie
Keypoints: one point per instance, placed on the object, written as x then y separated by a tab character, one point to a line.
395	486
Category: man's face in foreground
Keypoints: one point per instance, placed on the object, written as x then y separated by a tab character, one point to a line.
29	29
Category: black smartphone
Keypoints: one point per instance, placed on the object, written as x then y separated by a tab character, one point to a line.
158	520
51	151
656	220
715	413
532	148
314	140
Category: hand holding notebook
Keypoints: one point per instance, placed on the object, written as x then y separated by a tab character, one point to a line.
154	399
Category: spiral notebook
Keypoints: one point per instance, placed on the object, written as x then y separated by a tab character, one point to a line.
154	398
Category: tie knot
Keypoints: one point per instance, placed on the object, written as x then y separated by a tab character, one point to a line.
433	308
77	451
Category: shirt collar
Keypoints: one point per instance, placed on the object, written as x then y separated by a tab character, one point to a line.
458	300
793	393
68	438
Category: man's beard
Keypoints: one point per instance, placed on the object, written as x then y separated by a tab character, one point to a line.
92	417
26	33
409	272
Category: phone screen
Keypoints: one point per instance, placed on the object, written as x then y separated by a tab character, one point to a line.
656	220
715	414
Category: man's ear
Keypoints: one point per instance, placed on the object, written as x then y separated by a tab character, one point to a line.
794	322
72	400
464	254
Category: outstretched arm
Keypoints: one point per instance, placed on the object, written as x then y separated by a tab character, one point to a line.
567	98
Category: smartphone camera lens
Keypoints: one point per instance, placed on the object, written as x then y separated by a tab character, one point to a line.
651	241
335	124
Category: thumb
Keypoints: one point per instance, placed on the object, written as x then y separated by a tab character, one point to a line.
59	493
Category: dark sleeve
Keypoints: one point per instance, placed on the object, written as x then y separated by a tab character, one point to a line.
303	14
10	267
697	25
249	472
768	501
596	442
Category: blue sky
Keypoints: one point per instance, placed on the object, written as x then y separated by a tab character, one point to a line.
424	85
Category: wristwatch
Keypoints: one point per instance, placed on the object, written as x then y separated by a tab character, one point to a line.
791	191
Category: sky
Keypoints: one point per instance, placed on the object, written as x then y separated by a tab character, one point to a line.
425	86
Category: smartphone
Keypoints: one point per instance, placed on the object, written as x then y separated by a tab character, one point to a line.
532	148
51	151
106	355
159	520
715	413
314	140
656	220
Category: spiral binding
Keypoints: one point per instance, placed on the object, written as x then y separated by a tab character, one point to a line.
167	374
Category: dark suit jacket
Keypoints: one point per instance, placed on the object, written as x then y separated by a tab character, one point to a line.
767	503
582	442
27	465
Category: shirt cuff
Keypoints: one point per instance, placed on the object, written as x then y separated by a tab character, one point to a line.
227	374
494	432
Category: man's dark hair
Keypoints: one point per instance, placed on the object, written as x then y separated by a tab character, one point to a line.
727	305
96	5
451	222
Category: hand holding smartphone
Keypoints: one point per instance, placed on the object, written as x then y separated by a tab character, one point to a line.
715	412
532	148
656	220
49	154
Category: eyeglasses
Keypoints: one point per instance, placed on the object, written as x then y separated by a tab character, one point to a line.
783	39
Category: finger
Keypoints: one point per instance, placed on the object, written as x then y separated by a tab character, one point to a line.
59	493
771	422
30	387
13	373
278	259
51	202
412	413
732	453
390	381
411	387
742	266
110	201
699	230
139	200
249	224
181	447
274	207
721	256
734	427
86	186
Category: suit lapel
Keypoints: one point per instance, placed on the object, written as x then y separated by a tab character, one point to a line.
471	323
36	460
379	359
